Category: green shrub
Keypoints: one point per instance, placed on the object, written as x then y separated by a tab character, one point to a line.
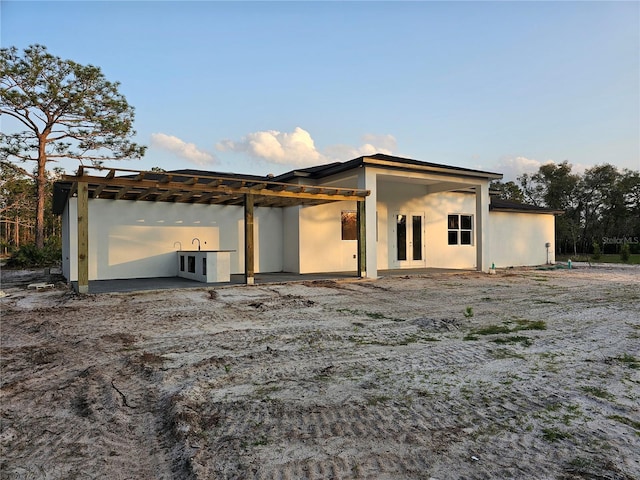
28	256
596	251
625	253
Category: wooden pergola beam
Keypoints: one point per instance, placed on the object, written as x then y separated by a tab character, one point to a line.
146	193
123	191
171	188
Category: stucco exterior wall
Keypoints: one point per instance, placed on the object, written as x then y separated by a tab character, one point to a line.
518	239
321	246
65	243
130	239
291	247
396	197
439	253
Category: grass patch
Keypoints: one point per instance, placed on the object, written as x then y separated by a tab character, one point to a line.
598	392
627	421
629	360
504	329
492	330
393	342
554	434
530	325
524	341
264	391
504	353
377	399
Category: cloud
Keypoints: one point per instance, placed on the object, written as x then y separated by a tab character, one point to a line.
182	149
296	148
372	144
299	150
513	167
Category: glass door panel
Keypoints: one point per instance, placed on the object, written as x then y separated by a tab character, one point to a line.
409	239
416	227
401	237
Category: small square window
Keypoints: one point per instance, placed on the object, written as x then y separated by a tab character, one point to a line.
460	229
349	225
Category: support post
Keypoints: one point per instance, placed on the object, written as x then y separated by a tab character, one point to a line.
83	237
482	228
249	272
362	239
367	180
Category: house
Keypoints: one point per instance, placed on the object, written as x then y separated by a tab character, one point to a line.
365	215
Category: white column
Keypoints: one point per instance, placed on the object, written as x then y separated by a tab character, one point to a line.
483	262
367	180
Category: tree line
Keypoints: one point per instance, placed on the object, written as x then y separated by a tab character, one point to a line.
67	110
601	206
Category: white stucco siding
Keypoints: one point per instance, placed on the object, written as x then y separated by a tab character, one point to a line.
130	239
321	246
518	239
396	197
291	239
66	267
439	253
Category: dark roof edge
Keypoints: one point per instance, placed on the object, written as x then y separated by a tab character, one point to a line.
389	161
509	206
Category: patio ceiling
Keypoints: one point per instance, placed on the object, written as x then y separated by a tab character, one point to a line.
139	185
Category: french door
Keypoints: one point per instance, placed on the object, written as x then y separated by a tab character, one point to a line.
408	233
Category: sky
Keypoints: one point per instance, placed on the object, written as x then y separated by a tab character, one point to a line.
266	87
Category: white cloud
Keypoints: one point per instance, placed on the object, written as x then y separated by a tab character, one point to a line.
382	143
298	148
513	167
182	149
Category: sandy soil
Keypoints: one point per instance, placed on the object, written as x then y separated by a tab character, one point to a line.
525	374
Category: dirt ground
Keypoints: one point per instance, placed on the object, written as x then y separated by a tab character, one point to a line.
525	374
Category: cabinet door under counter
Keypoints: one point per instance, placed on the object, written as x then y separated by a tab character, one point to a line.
207	266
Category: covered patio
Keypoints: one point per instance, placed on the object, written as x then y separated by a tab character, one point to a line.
186	186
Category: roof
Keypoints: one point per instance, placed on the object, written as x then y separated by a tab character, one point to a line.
500	205
199	186
195	186
386	161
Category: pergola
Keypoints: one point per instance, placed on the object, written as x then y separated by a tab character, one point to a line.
179	187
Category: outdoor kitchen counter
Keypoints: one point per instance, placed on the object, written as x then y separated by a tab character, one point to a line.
208	266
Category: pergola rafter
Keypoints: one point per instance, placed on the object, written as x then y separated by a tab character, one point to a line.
126	184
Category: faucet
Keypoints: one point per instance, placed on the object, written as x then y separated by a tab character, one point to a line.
198	242
179	243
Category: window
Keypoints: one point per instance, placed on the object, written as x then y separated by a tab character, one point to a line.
349	225
460	229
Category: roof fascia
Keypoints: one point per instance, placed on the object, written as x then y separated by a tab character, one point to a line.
431	169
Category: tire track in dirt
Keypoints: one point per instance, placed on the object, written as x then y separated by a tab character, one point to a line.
99	411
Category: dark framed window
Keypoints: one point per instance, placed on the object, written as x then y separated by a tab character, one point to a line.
349	225
460	229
